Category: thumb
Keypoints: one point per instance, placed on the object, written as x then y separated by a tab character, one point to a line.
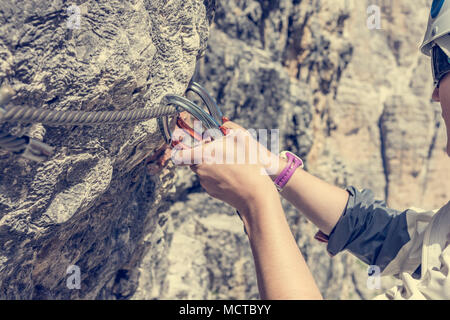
232	125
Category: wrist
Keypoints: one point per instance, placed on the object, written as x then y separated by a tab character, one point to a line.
254	203
259	209
291	163
277	167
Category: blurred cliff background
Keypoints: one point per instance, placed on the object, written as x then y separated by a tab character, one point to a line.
354	102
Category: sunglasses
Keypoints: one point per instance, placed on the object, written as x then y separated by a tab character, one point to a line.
440	63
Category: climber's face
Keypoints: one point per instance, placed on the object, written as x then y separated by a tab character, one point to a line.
442	95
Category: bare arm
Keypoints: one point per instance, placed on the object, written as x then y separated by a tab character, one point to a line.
321	202
280	267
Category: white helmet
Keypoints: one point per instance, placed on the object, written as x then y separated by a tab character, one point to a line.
438	30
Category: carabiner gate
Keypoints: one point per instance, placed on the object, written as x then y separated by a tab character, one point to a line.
212	120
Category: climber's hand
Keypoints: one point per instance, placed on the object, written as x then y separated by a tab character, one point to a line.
229	169
267	159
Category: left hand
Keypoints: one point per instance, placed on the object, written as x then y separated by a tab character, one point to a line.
229	170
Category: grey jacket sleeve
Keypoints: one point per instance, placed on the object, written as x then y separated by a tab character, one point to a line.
369	230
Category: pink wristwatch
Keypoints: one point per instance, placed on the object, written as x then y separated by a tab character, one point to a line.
294	162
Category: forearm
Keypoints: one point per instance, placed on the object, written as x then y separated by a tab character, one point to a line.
281	269
321	202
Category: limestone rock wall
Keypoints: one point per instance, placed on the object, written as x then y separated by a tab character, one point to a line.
93	203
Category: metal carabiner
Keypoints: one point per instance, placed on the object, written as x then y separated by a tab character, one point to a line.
212	120
26	147
210	103
37	150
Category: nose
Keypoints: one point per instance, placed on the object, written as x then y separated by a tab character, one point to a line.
435	96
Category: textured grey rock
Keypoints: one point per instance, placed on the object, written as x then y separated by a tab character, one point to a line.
92	204
206	257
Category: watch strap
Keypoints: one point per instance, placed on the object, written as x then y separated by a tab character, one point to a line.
294	162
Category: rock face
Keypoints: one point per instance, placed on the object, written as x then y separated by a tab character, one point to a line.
92	204
352	101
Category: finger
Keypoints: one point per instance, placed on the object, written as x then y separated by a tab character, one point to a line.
194	168
204	153
186	157
232	125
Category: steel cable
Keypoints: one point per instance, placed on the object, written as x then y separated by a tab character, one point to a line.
21	114
38	151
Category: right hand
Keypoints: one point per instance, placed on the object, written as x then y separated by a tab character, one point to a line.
267	159
242	184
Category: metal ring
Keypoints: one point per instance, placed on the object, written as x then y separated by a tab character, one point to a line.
210	103
207	120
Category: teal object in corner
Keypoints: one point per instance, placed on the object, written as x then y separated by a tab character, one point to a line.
436	8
